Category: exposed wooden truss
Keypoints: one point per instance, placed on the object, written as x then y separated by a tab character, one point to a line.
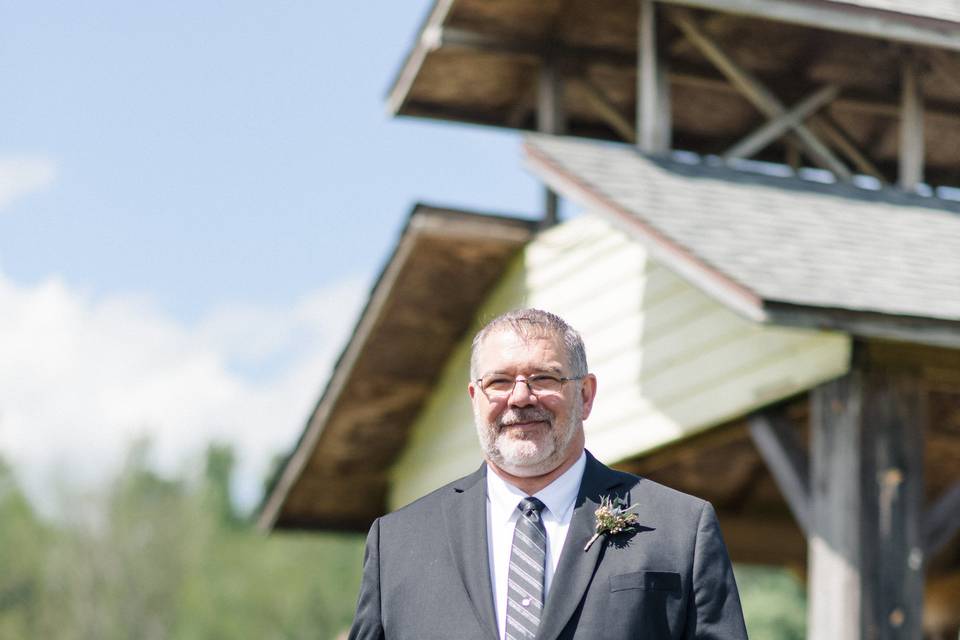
776	127
757	93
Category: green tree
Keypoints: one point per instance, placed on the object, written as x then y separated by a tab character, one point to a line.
774	603
23	539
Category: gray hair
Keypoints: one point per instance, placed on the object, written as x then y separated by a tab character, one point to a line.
534	323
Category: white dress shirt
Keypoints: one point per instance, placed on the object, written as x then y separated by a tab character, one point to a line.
502	515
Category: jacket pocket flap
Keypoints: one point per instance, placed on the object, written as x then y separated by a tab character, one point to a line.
649	580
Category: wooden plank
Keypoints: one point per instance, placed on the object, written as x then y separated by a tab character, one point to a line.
911	125
785	457
756	92
941	521
776	127
653	88
471	40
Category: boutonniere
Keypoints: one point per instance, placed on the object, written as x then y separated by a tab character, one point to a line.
612	517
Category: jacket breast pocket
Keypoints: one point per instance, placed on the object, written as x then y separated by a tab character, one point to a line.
646	580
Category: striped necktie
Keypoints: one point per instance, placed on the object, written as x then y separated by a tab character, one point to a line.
525	577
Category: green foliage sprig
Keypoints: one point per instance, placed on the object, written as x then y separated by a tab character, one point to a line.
613	517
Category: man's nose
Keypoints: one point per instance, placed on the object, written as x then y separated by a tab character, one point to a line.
521	395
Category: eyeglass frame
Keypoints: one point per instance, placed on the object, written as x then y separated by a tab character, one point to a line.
525	380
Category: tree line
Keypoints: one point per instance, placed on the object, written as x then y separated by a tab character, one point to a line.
155	558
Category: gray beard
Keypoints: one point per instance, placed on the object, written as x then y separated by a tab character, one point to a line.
524	458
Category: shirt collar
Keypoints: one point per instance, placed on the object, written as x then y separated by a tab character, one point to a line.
558	496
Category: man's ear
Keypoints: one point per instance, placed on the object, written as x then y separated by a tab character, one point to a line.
588	391
471	389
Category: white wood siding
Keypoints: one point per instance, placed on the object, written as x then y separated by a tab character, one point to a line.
670	361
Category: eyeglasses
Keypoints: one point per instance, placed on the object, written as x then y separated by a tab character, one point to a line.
497	386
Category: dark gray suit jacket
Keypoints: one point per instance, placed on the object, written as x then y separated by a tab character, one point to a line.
426	571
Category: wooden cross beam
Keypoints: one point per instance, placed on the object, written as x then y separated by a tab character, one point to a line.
776	127
787	461
756	92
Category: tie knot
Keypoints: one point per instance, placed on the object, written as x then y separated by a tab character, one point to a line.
530	505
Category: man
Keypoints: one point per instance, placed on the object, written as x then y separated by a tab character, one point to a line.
510	551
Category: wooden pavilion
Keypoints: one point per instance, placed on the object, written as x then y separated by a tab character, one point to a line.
768	280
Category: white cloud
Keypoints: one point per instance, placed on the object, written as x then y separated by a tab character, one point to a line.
23	175
80	378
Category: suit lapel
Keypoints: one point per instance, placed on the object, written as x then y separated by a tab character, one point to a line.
465	517
576	566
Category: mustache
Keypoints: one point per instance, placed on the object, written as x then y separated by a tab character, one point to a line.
528	414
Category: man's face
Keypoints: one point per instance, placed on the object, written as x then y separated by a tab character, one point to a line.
528	434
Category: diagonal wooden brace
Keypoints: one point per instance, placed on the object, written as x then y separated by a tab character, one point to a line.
788	463
776	127
756	92
608	111
941	521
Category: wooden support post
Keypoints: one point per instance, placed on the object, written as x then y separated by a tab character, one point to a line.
911	125
755	92
550	119
784	456
653	87
865	548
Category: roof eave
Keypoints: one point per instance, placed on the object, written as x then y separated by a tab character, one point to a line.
867	324
425	43
424	222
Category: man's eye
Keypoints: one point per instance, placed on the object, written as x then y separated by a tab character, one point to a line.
544	379
498	383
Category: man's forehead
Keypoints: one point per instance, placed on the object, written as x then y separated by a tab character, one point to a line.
506	341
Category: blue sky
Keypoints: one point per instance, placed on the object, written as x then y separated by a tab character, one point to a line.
194	200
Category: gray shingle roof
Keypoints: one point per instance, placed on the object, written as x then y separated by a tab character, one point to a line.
786	240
